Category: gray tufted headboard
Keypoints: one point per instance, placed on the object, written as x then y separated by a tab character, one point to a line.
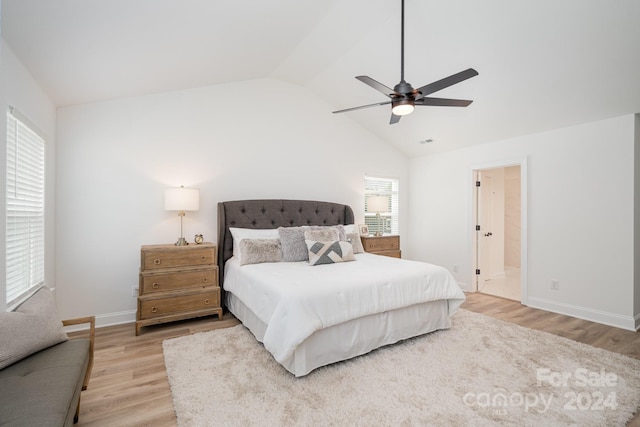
273	213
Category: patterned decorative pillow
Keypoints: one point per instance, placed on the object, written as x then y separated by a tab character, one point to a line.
256	251
325	234
33	326
354	239
329	252
292	243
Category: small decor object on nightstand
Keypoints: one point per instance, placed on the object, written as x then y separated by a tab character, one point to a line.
364	230
198	239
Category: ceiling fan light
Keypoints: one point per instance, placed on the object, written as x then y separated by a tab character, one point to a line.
402	108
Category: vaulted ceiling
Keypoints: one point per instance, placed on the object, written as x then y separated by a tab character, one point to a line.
543	64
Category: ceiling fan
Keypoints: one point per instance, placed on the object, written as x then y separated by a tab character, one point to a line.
403	97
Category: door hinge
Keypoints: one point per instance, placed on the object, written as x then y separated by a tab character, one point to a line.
477	271
477	228
477	183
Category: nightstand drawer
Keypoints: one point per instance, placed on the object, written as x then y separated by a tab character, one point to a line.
151	282
392	254
156	258
158	307
382	243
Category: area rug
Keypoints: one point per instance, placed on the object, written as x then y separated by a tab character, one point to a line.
482	371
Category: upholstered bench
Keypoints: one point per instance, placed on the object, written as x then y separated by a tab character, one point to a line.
42	388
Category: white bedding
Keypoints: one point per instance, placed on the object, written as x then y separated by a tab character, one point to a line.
295	299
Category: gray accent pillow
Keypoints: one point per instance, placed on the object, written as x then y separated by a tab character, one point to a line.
329	252
354	239
32	327
292	243
256	251
328	234
339	228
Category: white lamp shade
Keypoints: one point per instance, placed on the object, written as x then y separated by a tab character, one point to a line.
182	199
402	109
378	204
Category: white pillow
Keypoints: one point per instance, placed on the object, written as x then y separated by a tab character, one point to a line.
250	233
350	228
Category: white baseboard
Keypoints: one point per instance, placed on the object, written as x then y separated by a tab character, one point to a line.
118	318
610	319
109	319
465	287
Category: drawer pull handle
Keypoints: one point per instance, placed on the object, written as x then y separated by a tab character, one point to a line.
205	280
156	261
155	285
203	257
154	309
206	301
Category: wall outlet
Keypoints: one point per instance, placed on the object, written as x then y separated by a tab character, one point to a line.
134	291
555	285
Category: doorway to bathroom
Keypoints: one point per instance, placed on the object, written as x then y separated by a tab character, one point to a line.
498	222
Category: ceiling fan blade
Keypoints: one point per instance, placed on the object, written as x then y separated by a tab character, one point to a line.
363	106
447	81
387	91
394	119
443	102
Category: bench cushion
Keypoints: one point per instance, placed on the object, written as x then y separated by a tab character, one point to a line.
44	388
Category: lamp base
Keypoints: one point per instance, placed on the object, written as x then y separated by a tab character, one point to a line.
377	234
182	242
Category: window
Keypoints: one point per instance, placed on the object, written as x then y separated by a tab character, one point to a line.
375	186
24	208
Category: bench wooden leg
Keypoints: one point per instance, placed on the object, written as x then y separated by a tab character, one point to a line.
77	415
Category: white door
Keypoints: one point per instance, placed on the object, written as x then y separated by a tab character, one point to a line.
484	234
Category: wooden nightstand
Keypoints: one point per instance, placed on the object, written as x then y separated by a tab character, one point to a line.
382	245
176	283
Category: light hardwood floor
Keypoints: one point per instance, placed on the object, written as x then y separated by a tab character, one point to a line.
129	386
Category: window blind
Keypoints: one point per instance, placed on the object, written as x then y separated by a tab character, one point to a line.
24	208
376	186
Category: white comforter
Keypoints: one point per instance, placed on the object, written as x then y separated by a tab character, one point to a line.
295	299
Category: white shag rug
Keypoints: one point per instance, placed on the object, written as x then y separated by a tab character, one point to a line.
482	371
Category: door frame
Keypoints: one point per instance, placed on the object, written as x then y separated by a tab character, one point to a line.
522	162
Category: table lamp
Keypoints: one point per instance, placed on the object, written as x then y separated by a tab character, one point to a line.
378	204
181	200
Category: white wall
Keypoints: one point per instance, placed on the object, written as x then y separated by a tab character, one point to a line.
580	215
18	89
244	140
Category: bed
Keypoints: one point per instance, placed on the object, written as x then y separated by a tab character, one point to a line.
311	316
